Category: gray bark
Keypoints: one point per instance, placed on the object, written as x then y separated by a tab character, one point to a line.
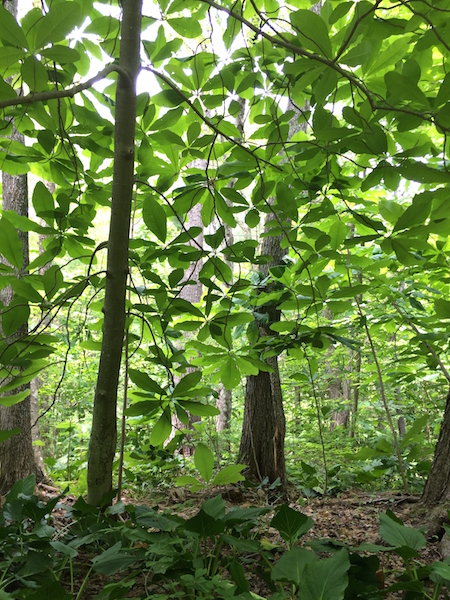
16	453
102	443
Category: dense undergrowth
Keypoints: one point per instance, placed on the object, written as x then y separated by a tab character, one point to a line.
137	551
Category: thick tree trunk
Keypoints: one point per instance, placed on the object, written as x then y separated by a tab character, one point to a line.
437	487
264	424
102	443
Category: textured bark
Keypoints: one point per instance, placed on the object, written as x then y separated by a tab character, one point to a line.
102	443
16	453
437	487
224	404
264	424
191	291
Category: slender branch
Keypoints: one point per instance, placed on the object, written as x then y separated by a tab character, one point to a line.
429	347
66	93
205	119
277	40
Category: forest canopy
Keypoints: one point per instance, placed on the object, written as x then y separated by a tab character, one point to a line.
276	193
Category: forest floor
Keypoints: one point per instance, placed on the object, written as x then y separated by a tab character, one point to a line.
350	518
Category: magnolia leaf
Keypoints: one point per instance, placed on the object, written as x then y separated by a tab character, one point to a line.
10	31
155	218
229	374
204	461
161	430
186	384
10	244
143	381
60	20
198	409
14	399
312	32
230	474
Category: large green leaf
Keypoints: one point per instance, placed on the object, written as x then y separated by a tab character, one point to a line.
398	535
10	244
10	30
291	523
14	316
112	560
325	579
229	373
60	20
291	565
161	430
155	218
145	382
229	474
204	461
312	32
187	383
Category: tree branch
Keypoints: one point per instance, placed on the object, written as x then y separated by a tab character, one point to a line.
67	93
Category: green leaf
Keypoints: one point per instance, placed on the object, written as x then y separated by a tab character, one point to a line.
415	214
291	523
399	535
112	560
60	20
325	579
229	374
252	218
186	384
161	430
10	244
14	399
312	32
6	434
291	565
186	28
10	31
230	474
10	56
442	308
185	480
198	409
155	218
14	316
143	381
238	574
204	461
61	54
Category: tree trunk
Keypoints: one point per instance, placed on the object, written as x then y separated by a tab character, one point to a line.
16	453
264	424
191	293
102	443
35	429
437	487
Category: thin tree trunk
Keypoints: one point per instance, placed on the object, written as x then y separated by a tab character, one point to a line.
102	443
16	453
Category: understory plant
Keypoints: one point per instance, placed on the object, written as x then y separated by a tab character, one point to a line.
55	550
